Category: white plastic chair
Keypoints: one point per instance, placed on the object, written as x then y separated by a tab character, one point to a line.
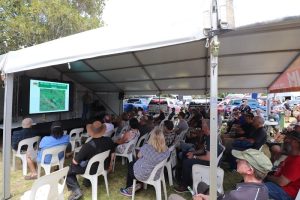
128	152
201	174
30	142
49	187
98	158
53	151
298	195
75	137
155	183
170	164
139	142
180	137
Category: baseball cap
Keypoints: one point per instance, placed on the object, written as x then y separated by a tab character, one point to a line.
255	158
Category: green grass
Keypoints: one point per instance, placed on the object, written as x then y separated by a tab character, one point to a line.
116	180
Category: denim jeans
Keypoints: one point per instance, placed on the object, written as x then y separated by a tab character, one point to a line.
276	192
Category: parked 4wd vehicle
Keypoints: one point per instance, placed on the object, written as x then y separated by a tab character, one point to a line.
164	104
136	103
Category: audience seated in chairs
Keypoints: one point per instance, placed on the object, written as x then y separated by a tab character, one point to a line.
285	182
97	144
253	166
132	134
26	132
149	156
55	139
192	157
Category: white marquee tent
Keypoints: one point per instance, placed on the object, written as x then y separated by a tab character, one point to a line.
169	59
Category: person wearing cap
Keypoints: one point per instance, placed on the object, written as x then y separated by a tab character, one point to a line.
284	184
98	144
26	132
253	166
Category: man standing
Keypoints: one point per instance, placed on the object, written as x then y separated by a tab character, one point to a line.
285	183
253	166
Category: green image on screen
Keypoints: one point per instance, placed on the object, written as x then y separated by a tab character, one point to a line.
52	99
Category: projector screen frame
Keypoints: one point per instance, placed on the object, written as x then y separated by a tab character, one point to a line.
24	95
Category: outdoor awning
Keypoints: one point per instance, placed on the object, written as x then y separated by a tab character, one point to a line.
169	59
289	80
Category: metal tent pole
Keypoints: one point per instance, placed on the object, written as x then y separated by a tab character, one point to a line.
7	119
214	49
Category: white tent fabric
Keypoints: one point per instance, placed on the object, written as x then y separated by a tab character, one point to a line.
170	59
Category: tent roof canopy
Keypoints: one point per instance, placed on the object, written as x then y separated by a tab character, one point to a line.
166	59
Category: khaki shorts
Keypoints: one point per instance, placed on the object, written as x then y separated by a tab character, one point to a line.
32	154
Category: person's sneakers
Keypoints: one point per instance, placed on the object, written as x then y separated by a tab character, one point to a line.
75	195
126	191
181	189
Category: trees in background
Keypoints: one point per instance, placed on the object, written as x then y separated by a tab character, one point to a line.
24	23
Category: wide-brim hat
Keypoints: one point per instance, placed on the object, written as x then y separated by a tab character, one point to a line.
255	158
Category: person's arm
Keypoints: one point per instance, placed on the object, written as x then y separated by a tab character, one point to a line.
200	197
281	180
203	157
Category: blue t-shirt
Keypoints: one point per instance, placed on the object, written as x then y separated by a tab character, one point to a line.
50	141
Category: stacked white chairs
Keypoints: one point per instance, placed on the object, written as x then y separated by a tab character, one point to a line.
98	158
54	152
75	137
155	182
128	152
201	174
170	164
49	187
32	144
140	142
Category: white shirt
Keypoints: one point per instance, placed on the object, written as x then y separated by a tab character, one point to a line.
109	129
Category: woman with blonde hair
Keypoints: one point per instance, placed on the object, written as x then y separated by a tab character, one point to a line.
149	156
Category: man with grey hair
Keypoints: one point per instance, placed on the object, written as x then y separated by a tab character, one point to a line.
26	132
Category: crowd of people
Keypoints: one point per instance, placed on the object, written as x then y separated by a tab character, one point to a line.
188	131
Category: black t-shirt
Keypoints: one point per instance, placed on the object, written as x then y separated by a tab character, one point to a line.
93	147
259	136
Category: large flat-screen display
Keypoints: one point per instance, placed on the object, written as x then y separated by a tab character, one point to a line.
47	96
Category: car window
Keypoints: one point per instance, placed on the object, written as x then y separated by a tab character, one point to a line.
132	100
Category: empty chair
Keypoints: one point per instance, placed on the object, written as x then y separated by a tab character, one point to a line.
155	182
75	137
201	174
30	143
55	161
128	152
99	159
49	187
